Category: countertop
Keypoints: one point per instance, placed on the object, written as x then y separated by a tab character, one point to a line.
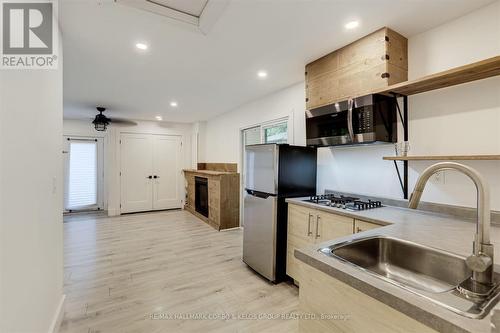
209	172
443	232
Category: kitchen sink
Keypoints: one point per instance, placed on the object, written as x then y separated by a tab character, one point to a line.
425	271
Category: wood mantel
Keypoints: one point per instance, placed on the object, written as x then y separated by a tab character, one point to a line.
226	167
223	197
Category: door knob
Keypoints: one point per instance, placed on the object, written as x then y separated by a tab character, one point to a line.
149	177
155	177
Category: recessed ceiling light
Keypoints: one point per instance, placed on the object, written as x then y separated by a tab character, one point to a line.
159	118
352	25
173	104
141	46
262	74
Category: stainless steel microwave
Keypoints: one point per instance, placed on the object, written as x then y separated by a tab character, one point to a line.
362	120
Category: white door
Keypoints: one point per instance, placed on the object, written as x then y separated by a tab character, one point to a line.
136	172
166	175
150	172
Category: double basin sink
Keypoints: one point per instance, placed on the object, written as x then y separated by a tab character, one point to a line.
428	272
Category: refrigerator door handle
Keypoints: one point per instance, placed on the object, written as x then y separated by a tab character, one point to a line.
258	194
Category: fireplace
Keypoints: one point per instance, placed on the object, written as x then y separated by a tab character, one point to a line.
201	195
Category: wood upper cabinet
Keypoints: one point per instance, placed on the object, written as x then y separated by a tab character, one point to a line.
360	68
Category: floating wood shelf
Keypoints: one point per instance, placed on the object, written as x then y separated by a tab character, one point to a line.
463	74
444	158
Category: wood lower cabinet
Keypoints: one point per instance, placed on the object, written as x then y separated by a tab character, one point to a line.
331	226
300	234
360	226
223	197
325	297
309	226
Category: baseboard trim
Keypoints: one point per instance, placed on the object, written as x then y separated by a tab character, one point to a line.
58	316
113	212
231	229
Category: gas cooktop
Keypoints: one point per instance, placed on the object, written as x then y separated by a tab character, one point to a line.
344	202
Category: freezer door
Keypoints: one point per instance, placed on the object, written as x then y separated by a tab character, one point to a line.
261	163
259	233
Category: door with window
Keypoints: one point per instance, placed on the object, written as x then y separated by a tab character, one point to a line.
83	173
150	172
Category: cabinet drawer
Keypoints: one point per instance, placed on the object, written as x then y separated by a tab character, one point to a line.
360	226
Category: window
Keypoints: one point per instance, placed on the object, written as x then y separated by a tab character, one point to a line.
276	133
252	136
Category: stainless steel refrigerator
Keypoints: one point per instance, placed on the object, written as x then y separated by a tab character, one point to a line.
273	172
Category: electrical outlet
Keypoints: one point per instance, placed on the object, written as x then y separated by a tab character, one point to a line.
439	178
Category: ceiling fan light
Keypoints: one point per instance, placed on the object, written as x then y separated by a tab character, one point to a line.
100	122
100	127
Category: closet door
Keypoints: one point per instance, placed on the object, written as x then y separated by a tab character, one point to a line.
166	171
136	173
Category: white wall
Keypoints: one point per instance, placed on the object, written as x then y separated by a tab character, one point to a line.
459	120
221	135
31	244
111	149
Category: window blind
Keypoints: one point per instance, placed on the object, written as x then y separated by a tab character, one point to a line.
252	136
82	187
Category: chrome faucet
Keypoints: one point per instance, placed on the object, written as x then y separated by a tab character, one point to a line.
481	260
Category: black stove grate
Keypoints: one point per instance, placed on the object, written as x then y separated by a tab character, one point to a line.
346	202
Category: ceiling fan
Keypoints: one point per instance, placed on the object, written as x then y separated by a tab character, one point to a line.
101	122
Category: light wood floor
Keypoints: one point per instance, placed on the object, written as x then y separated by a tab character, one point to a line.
130	273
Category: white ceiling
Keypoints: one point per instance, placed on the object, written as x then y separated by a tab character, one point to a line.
214	73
